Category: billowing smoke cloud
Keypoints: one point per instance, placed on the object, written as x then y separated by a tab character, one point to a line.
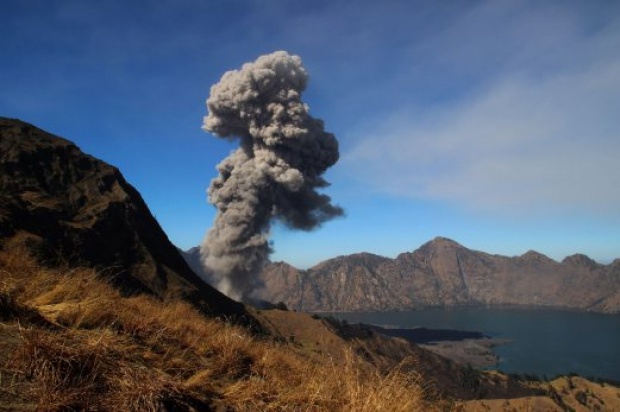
273	175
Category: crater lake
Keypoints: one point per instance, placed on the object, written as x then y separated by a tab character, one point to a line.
544	342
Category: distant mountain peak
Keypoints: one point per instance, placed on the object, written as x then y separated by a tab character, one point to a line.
579	259
438	246
355	258
441	240
533	255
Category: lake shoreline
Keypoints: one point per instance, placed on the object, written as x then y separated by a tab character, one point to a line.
543	342
464	347
449	308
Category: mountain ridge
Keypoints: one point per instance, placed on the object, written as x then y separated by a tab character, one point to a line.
443	272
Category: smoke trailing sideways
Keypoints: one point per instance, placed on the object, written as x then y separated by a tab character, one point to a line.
273	175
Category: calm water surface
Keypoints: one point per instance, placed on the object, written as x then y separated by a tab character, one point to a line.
544	342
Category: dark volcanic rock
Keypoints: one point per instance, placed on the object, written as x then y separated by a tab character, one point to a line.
445	273
69	207
425	335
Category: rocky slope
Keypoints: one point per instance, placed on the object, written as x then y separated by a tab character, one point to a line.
67	207
443	272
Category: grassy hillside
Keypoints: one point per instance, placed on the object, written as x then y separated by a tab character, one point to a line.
71	341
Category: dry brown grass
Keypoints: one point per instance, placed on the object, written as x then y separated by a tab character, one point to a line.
102	351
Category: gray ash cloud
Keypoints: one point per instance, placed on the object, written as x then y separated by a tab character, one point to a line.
275	172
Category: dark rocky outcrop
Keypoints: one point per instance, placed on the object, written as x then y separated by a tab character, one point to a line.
67	207
444	273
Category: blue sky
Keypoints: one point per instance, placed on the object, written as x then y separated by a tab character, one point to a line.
496	123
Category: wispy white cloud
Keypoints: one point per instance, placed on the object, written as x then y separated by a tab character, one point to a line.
539	134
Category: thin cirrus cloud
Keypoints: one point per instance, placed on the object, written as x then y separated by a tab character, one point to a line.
540	136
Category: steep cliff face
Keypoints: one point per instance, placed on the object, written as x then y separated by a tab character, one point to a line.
354	282
443	273
68	207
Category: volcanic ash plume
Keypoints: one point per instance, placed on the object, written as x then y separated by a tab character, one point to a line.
275	172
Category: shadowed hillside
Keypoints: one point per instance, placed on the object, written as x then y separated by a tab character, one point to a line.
68	207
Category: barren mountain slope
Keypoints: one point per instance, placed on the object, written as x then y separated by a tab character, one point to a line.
442	273
70	208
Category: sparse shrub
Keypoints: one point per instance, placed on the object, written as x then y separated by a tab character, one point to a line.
470	378
582	398
8	307
557	398
281	306
532	377
571	385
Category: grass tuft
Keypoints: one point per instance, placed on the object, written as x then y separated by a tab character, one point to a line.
97	350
